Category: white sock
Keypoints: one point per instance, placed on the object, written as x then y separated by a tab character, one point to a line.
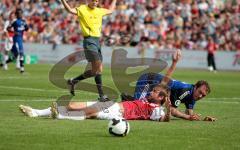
71	117
5	59
43	112
18	62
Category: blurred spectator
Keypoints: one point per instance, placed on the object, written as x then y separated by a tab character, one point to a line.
176	23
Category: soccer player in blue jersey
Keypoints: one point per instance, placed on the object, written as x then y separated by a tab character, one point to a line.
181	92
18	26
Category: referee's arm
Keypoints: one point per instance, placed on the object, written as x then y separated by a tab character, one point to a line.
112	7
68	8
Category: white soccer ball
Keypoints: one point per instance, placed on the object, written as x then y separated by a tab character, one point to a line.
118	127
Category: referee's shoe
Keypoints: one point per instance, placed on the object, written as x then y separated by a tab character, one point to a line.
71	86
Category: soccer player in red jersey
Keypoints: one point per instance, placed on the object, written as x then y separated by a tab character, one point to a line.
149	109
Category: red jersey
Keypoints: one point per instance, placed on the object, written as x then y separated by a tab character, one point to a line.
211	47
142	110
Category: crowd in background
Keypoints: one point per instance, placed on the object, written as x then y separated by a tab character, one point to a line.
155	24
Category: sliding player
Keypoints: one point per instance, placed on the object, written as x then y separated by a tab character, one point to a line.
150	108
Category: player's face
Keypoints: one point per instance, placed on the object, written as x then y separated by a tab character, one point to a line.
154	94
93	3
19	14
200	92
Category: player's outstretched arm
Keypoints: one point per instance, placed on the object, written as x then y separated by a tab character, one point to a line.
175	58
112	7
179	114
68	8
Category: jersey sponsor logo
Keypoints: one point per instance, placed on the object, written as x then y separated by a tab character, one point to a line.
184	95
144	92
177	102
21	28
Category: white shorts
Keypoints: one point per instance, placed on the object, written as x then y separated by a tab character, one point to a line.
108	111
8	44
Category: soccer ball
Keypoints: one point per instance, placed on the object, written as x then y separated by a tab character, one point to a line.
118	127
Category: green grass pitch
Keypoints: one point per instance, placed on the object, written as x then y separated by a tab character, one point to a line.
33	88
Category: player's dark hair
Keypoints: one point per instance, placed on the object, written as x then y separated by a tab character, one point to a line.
203	82
18	11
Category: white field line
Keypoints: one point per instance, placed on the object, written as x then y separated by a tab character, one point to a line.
221	102
223	98
4	78
29	89
21	100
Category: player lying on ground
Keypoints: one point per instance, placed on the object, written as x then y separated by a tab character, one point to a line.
149	109
181	92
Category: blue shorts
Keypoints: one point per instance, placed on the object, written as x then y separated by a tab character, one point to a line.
92	49
17	48
146	83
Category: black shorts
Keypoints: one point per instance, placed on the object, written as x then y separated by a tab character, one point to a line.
92	49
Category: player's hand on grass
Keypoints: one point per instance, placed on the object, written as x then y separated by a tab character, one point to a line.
210	118
194	117
177	55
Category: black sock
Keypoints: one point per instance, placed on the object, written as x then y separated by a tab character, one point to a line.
85	75
98	80
9	60
21	61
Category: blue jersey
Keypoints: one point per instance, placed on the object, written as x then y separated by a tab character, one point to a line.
180	92
19	26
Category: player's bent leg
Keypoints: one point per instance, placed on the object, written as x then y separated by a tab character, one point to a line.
72	82
97	67
97	70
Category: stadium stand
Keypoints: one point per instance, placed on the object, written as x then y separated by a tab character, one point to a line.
185	24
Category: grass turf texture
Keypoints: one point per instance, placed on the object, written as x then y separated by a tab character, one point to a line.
20	132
